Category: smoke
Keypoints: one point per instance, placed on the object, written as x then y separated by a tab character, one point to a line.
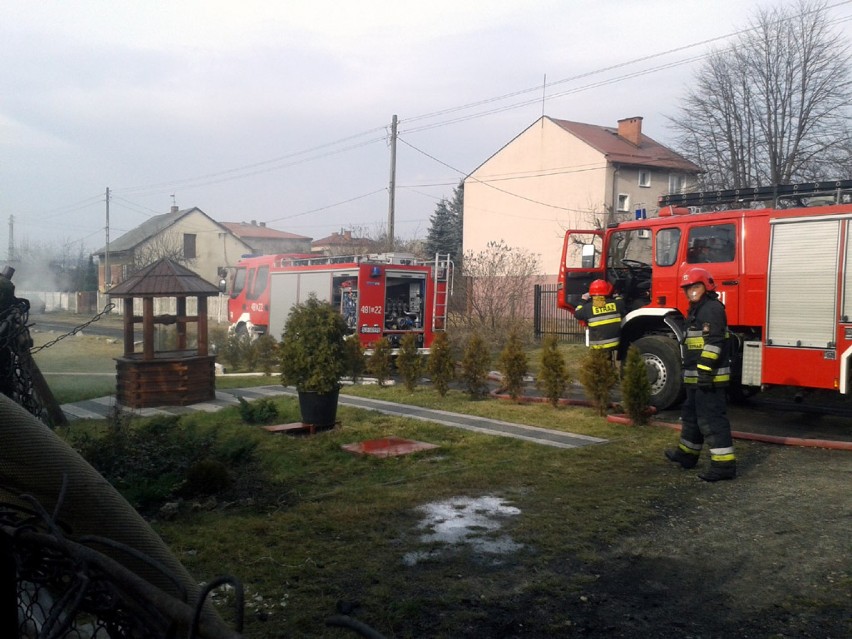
47	267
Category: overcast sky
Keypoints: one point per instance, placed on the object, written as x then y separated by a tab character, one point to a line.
279	111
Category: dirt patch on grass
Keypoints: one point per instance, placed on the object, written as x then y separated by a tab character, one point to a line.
766	555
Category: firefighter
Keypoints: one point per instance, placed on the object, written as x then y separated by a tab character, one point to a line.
602	313
706	373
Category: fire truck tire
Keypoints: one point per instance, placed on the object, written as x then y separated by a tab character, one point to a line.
662	361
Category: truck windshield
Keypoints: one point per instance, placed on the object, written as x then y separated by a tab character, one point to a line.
630	245
239	281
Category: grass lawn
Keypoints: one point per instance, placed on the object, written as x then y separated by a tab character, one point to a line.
312	530
328	530
328	527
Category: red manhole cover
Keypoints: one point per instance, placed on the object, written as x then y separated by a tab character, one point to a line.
387	447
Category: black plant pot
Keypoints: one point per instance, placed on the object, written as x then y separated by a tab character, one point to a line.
319	409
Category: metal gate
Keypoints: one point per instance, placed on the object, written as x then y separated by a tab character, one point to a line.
548	319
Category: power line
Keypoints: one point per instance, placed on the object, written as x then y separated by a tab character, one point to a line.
281	162
330	206
620	65
133	206
275	164
252	169
521	197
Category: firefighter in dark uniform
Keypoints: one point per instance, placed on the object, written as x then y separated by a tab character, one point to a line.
602	313
706	374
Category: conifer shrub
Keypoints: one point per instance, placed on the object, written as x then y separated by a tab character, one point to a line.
553	377
263	354
475	363
598	377
513	364
234	350
259	411
409	362
441	365
356	363
381	361
311	353
635	387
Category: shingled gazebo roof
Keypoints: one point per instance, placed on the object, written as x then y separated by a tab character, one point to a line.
164	278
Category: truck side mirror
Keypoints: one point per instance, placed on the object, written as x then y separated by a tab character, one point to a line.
588	256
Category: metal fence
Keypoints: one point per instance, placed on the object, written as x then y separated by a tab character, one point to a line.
549	319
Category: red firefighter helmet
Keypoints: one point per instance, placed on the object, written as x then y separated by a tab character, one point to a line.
698	275
600	287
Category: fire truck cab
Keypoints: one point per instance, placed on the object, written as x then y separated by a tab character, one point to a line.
782	270
382	295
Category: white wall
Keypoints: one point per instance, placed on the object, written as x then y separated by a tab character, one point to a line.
217	306
542	183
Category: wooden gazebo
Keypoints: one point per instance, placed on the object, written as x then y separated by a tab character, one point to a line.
173	374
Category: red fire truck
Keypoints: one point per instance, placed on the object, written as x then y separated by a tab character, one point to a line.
383	295
783	271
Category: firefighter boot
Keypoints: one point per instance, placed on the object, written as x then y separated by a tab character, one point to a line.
719	471
682	457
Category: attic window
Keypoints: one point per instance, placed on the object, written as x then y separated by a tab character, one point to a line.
189	246
623	202
644	178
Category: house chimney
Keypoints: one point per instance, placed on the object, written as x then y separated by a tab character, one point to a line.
347	235
254	222
263	223
175	209
631	129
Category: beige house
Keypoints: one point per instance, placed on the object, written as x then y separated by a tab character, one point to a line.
189	237
557	175
342	243
264	240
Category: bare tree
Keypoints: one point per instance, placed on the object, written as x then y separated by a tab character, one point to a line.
773	107
166	245
498	285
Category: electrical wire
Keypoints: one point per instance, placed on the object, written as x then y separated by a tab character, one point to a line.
329	206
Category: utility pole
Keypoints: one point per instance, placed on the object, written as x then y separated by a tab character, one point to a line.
107	274
392	187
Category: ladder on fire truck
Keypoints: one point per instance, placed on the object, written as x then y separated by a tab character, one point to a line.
442	286
840	190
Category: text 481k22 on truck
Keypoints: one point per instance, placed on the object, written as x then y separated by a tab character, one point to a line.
385	295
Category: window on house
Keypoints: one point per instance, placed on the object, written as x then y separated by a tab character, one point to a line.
189	246
677	182
623	202
645	178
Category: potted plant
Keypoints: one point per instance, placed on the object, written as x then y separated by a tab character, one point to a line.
313	358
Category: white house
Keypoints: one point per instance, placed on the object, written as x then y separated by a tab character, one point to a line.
557	175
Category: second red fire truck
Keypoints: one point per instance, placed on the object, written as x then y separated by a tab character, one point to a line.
783	271
384	295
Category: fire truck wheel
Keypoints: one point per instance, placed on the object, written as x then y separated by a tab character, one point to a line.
662	361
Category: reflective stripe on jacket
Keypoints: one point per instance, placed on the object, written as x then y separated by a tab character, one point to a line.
705	347
604	321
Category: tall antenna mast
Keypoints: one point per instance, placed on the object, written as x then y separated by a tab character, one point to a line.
107	274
